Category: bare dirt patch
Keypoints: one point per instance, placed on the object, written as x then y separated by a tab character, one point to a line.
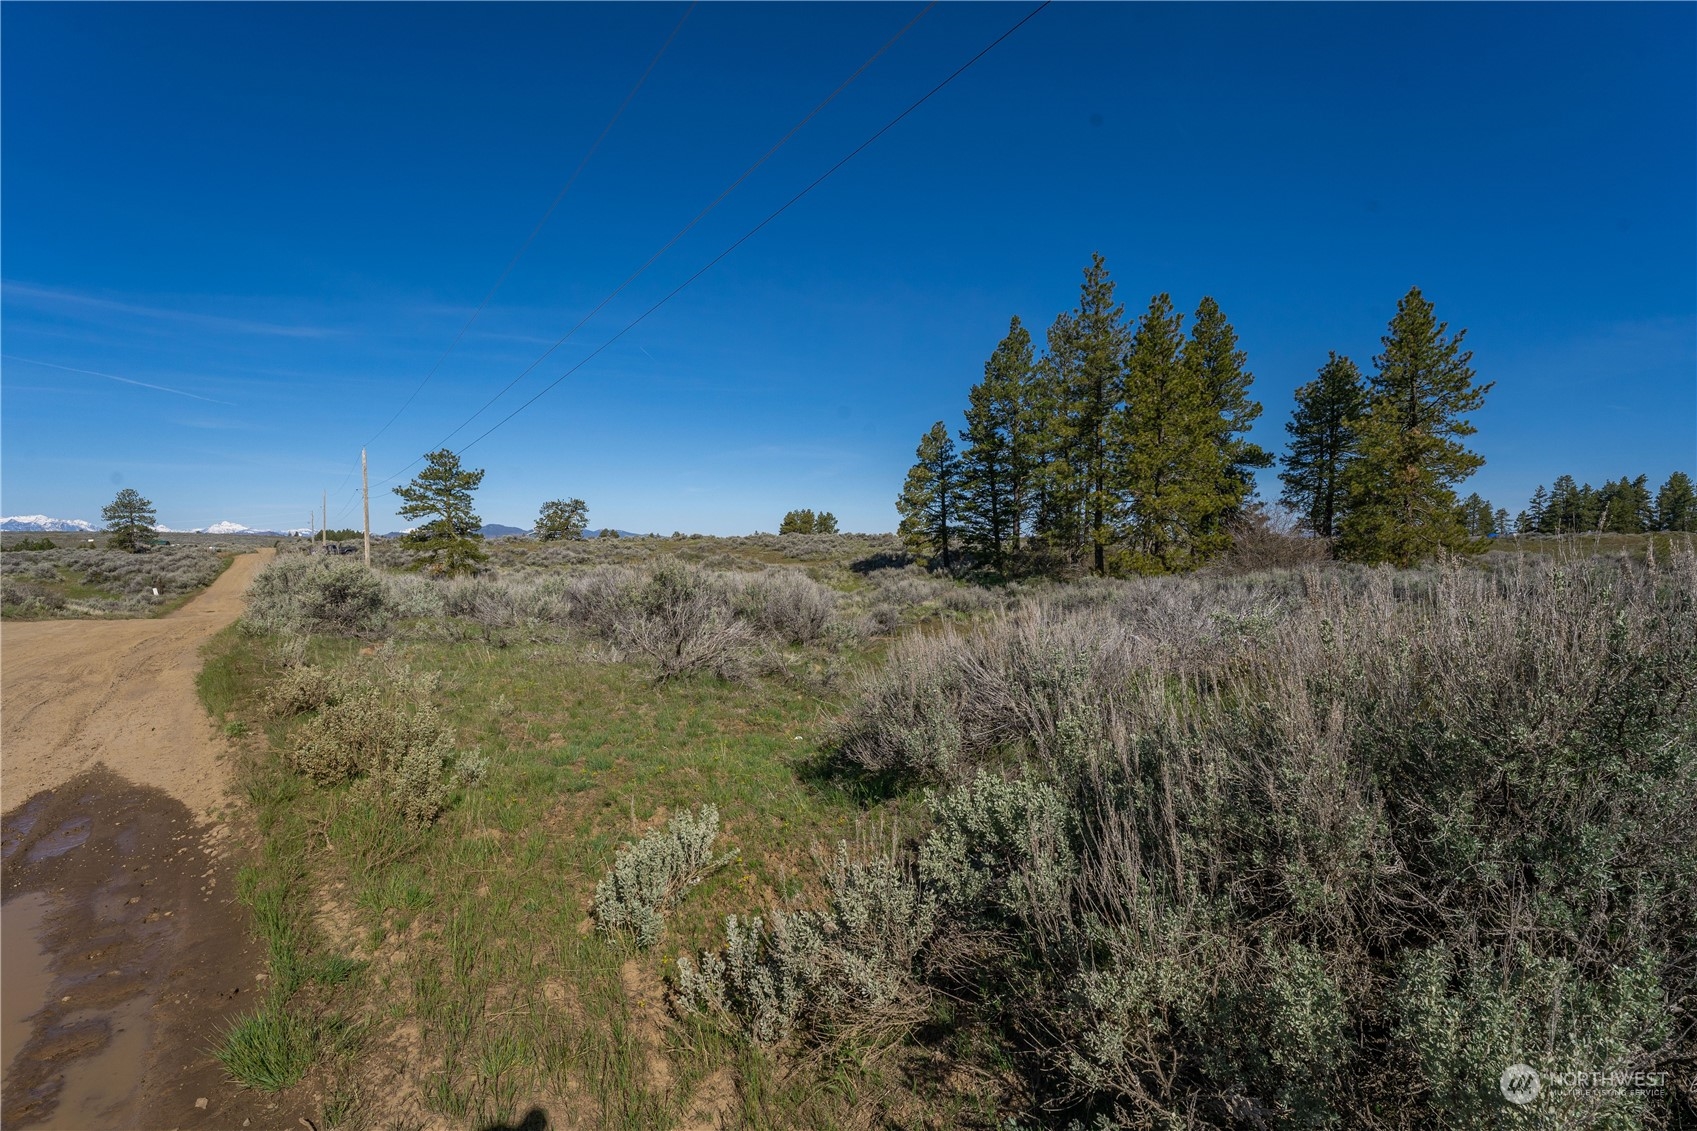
120	692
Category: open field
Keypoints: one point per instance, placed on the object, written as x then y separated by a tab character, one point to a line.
74	580
1350	795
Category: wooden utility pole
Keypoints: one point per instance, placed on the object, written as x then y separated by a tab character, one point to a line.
365	489
324	525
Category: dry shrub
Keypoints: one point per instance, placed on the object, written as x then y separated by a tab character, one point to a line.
848	969
789	605
650	877
1324	849
301	689
1271	538
301	594
381	730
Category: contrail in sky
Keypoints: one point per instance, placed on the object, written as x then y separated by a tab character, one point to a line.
114	377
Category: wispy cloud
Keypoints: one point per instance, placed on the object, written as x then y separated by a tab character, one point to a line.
115	377
53	298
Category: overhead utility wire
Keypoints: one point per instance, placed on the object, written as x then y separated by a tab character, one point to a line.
525	246
540	224
746	236
680	234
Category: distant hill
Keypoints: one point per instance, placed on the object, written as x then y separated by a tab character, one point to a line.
488	530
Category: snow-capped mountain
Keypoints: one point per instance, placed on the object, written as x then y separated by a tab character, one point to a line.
42	522
216	528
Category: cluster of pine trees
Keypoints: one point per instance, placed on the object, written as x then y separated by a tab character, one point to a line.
1374	461
1120	446
1123	446
1624	506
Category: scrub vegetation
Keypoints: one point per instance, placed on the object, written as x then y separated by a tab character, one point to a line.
785	831
39	582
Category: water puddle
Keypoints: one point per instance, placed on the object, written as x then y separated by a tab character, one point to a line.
20	824
98	1088
28	978
122	962
72	834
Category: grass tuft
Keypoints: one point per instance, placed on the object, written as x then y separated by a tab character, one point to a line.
269	1050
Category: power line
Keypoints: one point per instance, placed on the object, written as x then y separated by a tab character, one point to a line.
680	234
531	238
746	236
542	223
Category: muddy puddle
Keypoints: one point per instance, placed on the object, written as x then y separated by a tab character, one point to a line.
125	957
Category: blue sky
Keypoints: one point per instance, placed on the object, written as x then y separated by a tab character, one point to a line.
238	236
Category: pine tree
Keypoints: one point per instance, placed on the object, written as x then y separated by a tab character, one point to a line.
1676	504
825	523
1174	473
929	497
1477	517
1212	355
1500	521
562	518
1565	512
1534	514
1401	504
1322	442
441	493
1625	507
1085	371
993	464
129	521
798	522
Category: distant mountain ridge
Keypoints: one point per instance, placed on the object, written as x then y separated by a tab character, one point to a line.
44	524
41	522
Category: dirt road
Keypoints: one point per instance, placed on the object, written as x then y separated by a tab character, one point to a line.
126	954
121	692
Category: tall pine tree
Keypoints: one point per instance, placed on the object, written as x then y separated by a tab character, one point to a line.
1676	504
994	461
1213	357
1401	504
1532	518
1173	470
1086	383
1322	443
930	496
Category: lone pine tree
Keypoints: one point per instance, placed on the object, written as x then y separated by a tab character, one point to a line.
441	494
1401	504
1322	443
561	518
129	521
929	497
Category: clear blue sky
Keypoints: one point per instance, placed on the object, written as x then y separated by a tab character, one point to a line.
247	231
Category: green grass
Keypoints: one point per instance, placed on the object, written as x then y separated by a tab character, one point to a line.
476	929
270	1049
